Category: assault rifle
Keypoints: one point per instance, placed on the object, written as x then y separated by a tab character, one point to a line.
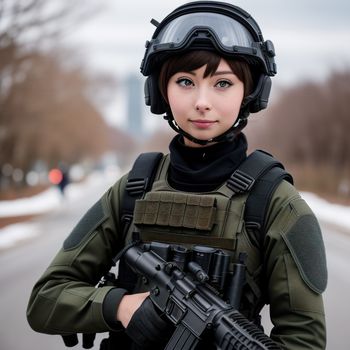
193	306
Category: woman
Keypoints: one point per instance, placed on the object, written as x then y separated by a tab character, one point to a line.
207	68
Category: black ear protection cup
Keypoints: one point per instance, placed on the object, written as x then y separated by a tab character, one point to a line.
147	92
258	100
263	95
153	96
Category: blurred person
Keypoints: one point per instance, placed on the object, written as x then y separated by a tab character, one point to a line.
207	67
60	177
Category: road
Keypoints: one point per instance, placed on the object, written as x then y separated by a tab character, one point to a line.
22	265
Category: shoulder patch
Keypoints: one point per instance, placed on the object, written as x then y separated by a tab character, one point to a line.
87	224
305	244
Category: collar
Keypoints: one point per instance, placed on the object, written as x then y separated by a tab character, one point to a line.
201	169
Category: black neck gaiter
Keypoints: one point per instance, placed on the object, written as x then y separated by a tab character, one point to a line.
202	169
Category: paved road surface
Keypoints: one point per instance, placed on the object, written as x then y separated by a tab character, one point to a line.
21	266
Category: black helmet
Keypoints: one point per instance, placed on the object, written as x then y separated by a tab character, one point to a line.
210	25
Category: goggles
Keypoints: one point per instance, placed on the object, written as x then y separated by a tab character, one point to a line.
227	32
209	30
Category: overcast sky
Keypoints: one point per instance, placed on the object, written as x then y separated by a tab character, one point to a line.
311	37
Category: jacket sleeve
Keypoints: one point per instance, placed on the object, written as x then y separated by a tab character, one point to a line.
296	272
65	300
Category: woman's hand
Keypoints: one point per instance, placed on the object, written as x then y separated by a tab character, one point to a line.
128	305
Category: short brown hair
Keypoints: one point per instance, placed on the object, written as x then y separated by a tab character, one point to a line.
193	60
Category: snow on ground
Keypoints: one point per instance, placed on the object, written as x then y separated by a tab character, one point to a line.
45	202
336	214
51	200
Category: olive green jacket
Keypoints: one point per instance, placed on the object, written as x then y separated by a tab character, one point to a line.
65	300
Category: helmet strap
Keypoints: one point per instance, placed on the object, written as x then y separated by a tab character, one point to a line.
227	136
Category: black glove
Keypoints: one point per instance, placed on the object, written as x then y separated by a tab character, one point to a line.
147	329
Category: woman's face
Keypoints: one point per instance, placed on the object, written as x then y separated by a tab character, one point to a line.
205	107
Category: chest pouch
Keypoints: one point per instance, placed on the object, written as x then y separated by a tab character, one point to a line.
189	219
176	210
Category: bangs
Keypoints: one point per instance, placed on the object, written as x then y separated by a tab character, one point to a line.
193	60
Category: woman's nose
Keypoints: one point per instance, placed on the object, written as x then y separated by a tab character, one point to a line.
202	103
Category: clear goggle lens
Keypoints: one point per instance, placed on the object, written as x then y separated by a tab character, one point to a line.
228	31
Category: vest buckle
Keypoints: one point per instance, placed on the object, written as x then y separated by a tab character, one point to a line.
240	182
136	186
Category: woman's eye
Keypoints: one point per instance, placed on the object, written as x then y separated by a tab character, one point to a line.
184	82
223	84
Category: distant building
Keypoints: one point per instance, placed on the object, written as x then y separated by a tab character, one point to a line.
135	110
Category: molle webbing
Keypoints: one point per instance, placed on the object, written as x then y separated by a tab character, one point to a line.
176	210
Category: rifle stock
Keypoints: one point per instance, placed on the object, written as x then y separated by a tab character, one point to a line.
194	308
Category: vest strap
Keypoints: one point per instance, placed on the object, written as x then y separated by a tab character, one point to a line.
141	176
140	180
256	164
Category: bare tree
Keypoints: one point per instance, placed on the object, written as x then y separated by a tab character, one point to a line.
49	117
46	106
308	129
32	25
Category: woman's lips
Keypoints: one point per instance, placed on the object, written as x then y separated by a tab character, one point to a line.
203	123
